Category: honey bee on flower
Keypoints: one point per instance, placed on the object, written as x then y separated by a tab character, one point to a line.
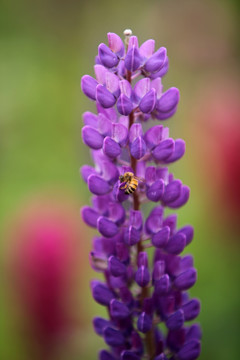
129	182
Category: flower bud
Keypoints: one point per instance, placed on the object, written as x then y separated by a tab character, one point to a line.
144	322
133	59
156	61
119	310
116	267
91	137
107	57
88	85
101	293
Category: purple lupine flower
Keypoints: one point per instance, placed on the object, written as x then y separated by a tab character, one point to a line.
147	300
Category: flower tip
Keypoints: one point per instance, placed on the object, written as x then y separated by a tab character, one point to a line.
127	32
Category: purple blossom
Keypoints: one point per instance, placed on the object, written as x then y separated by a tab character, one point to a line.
147	301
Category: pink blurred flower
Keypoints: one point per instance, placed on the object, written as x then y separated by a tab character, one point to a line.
217	116
44	260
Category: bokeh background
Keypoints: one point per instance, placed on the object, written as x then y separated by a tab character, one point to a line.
46	46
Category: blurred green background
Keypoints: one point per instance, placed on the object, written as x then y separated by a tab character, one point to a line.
46	46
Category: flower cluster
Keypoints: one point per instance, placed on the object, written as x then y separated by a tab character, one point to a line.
145	279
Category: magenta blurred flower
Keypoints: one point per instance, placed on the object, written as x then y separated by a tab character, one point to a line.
219	126
44	256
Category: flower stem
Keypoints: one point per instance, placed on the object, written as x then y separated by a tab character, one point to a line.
149	337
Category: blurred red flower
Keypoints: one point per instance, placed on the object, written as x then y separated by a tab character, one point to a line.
45	258
217	118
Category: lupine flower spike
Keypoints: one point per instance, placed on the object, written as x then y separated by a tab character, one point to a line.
146	297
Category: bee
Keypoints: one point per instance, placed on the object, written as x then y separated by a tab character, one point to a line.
130	182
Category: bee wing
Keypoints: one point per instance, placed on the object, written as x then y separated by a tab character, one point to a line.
139	178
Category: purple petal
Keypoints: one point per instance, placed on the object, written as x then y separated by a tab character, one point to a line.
158	270
162	71
157	85
91	137
147	48
111	148
160	357
101	204
131	236
110	114
188	231
115	44
172	191
86	171
160	115
193	332
135	219
104	125
160	238
119	310
125	88
100	324
90	119
116	267
106	355
124	105
179	151
166	305
148	102
176	320
101	293
138	148
122	252
150	175
100	72
155	191
133	41
133	59
190	350
191	309
112	83
183	198
142	276
142	259
168	100
176	244
171	221
104	97
107	57
116	213
135	132
162	285
137	344
144	322
90	216
156	61
186	262
141	88
129	355
109	172
106	227
113	337
98	185
186	280
88	85
154	221
176	339
120	134
118	194
165	149
153	136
